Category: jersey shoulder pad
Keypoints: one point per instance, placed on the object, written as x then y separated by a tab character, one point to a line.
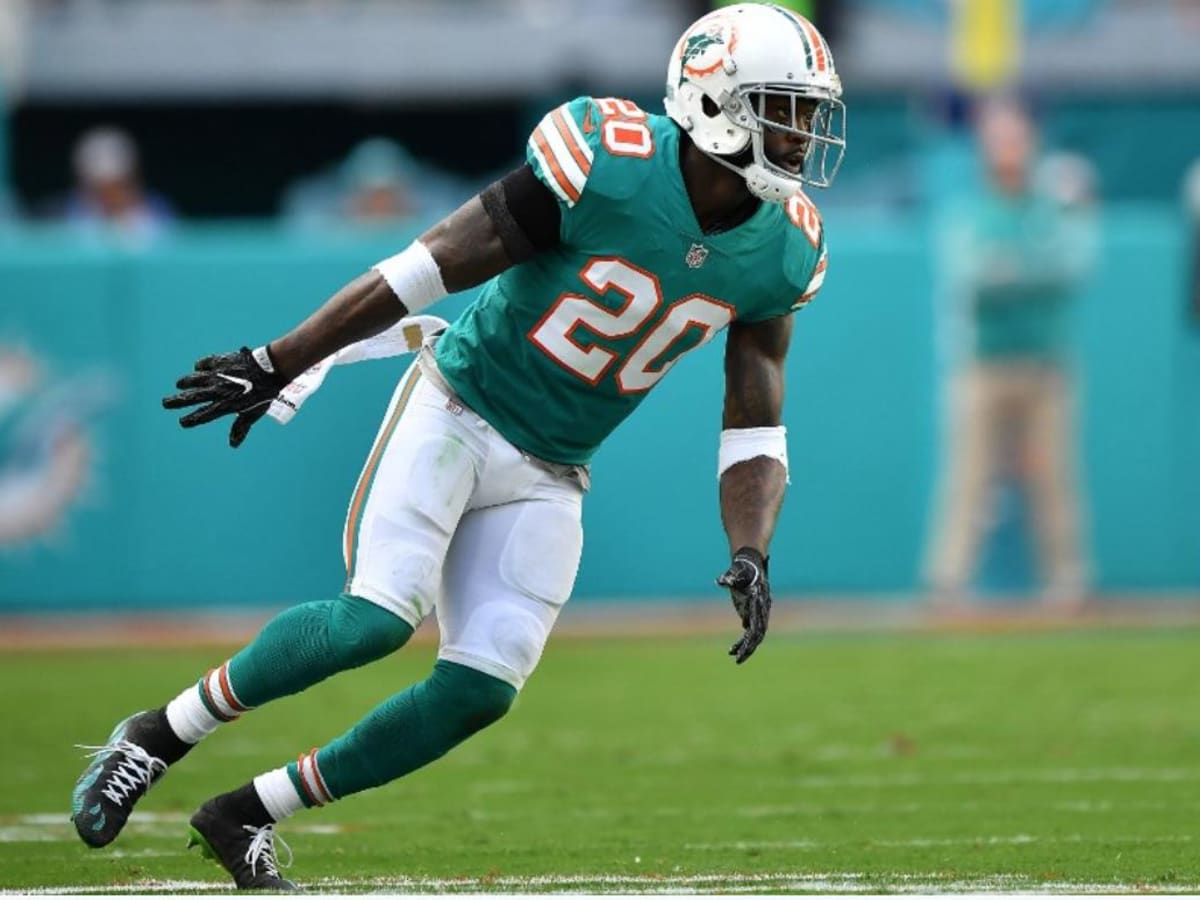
806	256
579	145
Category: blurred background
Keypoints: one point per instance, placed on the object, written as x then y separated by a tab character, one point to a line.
993	405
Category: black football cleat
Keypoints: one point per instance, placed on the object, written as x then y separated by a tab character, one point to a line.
119	775
245	850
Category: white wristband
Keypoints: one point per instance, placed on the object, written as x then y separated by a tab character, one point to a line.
741	444
414	277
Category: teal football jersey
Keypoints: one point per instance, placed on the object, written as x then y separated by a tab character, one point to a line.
557	351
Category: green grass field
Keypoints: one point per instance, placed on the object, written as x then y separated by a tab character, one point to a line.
830	763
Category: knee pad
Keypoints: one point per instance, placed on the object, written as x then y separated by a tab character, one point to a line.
502	639
361	631
472	699
540	559
404	577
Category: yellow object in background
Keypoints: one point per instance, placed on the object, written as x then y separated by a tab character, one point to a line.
985	42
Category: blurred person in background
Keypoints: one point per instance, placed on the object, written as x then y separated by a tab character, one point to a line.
378	185
109	196
376	177
1017	256
13	25
1191	200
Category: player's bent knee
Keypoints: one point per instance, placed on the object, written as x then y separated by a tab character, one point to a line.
472	699
400	575
361	631
502	639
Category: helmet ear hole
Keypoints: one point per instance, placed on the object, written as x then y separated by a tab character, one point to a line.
709	106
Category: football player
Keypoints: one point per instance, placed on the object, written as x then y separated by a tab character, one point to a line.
626	240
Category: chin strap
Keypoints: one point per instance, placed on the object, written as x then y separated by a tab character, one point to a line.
762	183
768	186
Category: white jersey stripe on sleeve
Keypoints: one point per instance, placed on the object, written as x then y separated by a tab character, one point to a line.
562	153
548	176
818	277
814	283
580	142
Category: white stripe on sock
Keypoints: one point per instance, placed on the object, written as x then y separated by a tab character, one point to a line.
217	682
278	794
311	776
189	718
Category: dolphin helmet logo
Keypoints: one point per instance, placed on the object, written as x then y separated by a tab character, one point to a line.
705	50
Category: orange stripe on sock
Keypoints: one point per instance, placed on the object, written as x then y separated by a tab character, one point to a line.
313	779
223	681
213	706
304	781
317	777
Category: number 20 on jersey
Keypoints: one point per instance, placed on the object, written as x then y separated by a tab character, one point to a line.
641	368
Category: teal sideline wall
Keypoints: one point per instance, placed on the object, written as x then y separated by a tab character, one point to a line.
173	518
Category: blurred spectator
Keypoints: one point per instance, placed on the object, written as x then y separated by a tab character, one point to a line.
376	179
109	195
378	185
1191	199
1017	255
13	16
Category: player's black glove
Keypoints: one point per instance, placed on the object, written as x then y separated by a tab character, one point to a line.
242	383
746	579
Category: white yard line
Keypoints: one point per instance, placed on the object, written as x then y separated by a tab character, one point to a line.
830	882
61	818
40	828
965	841
1031	776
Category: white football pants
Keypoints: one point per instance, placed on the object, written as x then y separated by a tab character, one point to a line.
449	514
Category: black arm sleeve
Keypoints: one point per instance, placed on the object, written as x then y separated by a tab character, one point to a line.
525	213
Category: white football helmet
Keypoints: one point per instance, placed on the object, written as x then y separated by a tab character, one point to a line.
734	58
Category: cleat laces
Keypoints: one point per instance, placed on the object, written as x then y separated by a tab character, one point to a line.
133	774
262	849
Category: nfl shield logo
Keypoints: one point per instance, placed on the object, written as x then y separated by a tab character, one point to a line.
696	256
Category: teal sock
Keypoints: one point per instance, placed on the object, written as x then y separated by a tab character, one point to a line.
405	732
308	643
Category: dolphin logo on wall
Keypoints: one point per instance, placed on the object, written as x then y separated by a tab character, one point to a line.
47	452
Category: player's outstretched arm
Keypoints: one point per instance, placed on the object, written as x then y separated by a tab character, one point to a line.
466	249
506	224
753	467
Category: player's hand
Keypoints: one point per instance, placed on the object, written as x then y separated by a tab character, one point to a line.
746	579
242	384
